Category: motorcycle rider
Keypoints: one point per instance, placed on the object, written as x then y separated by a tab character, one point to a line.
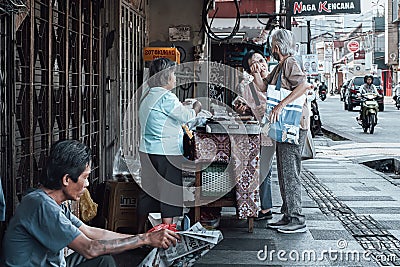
322	87
367	87
316	84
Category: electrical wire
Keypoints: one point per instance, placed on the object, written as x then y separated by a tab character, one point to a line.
263	23
207	26
12	6
17	5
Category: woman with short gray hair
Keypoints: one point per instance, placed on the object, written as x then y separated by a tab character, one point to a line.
284	39
161	116
288	75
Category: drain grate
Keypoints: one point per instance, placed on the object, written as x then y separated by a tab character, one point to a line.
380	243
388	169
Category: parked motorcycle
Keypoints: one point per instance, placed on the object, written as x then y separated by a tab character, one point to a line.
369	112
315	122
398	102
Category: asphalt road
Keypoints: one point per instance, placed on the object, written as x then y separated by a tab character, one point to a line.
342	122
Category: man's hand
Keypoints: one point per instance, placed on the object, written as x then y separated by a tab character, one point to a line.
162	239
197	107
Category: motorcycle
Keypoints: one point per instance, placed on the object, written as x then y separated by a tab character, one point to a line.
369	112
315	121
322	94
398	102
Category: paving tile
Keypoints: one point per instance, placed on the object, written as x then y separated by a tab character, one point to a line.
366	198
322	218
343	180
373	204
395	233
309	204
390	225
376	210
365	188
235	243
333	224
329	234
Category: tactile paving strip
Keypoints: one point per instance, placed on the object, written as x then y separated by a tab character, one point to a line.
380	243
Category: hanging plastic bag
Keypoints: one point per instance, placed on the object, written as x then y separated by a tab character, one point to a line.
120	168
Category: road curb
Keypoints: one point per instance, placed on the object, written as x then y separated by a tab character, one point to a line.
336	136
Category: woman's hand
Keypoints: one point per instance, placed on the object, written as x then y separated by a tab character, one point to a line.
256	68
275	112
197	107
241	108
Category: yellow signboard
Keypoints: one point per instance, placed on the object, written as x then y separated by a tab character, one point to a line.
151	53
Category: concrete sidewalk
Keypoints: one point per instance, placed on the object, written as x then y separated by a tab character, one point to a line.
352	213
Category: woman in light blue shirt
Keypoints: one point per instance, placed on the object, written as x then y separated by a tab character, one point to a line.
161	116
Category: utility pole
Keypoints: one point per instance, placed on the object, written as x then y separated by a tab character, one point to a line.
288	15
308	37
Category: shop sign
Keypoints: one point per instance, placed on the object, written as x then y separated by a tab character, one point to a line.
328	51
151	53
179	33
327	7
360	54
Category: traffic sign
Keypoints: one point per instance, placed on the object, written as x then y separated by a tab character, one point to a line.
353	46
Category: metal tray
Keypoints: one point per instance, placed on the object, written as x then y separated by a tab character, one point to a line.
232	127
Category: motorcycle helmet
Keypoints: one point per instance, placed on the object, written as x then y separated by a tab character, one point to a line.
368	76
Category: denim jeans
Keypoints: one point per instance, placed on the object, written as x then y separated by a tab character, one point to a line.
266	156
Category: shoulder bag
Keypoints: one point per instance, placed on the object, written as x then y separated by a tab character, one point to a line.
287	128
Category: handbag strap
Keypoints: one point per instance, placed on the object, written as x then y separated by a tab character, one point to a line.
144	96
254	94
278	84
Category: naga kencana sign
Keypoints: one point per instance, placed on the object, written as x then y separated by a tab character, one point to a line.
328	7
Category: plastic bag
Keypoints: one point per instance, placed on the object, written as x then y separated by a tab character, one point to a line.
87	207
161	226
119	166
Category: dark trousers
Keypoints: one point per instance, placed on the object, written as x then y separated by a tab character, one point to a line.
77	260
162	185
